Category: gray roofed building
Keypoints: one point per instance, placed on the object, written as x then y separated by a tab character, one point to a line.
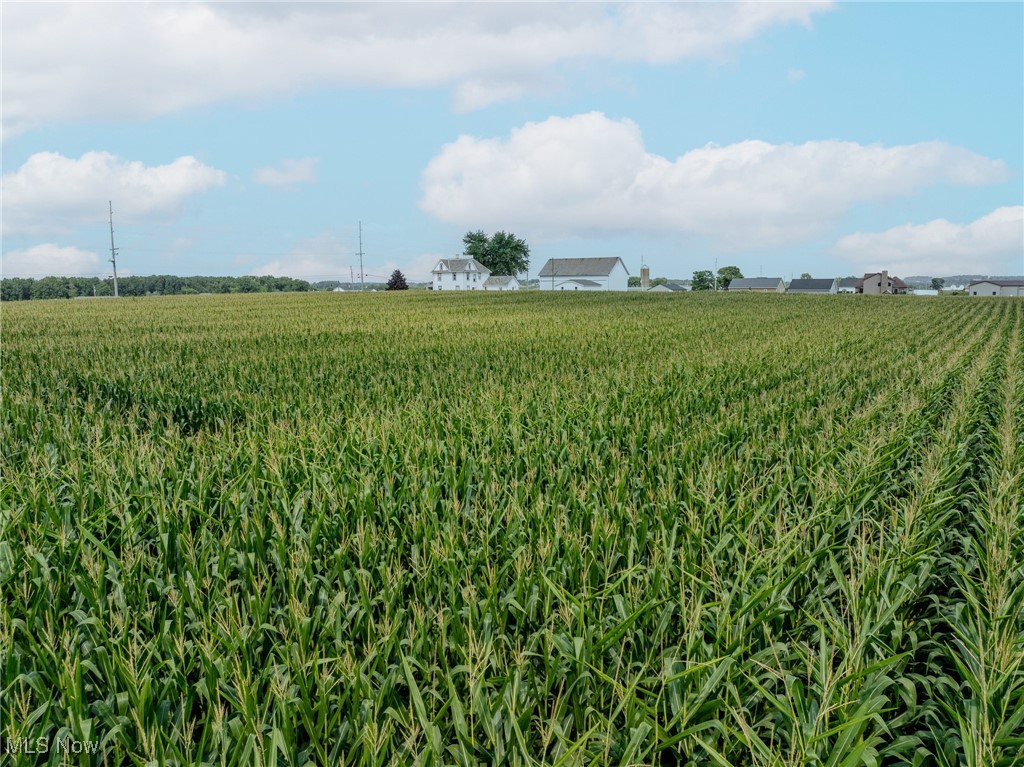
846	285
501	282
604	273
666	287
997	287
579	267
459	274
758	284
812	286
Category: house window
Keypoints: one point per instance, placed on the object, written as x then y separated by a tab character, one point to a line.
993	292
453	277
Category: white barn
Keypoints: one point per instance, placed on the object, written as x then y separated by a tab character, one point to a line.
459	274
584	274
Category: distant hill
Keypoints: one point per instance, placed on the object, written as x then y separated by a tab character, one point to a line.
958	279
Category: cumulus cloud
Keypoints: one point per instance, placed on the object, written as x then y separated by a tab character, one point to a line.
291	172
317	258
590	174
992	244
417	268
53	193
48	259
174	56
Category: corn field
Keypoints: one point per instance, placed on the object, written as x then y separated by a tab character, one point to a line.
513	529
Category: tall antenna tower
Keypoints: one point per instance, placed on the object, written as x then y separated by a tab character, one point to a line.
113	250
362	280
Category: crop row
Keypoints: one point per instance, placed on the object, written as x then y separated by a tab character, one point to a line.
515	530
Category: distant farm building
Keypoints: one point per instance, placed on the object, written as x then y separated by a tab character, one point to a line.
846	285
668	287
584	274
758	285
881	284
501	282
1013	287
459	274
824	286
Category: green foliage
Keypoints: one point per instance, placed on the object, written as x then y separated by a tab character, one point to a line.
938	283
397	281
726	275
235	532
633	282
806	276
502	253
20	289
703	280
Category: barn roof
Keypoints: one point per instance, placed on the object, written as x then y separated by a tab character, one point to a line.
580	267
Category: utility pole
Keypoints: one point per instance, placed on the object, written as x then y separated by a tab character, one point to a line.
113	250
362	280
716	275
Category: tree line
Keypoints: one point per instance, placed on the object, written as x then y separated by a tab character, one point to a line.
29	289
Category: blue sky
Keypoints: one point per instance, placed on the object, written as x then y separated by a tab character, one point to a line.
252	138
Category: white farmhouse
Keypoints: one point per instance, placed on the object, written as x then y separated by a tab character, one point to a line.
501	282
1012	287
584	274
459	274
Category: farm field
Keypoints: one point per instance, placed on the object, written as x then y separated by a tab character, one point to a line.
513	529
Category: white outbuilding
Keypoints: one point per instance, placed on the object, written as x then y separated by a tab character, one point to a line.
501	282
584	274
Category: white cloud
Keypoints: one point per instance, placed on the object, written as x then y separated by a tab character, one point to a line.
291	172
416	269
992	244
590	174
318	258
48	259
51	193
59	65
795	75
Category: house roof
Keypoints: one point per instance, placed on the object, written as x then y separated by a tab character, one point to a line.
753	283
811	285
580	267
667	286
499	279
847	282
459	265
583	281
1012	283
896	281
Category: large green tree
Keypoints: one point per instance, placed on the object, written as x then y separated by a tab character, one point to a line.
726	275
502	252
703	280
